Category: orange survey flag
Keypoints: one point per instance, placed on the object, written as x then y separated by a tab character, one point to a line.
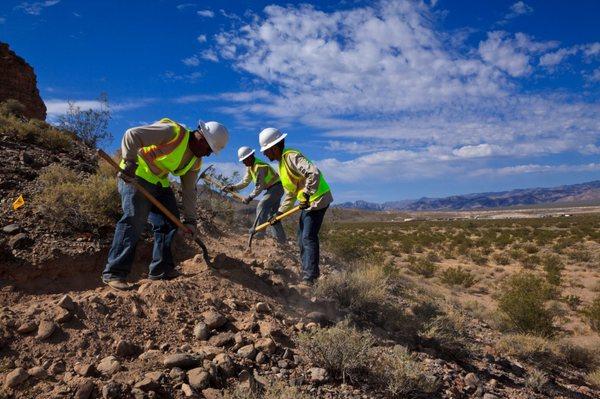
19	202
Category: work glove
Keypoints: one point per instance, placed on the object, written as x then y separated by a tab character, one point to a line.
273	220
191	226
247	200
305	204
128	172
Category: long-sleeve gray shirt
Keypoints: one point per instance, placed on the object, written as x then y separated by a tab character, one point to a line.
301	166
156	134
261	184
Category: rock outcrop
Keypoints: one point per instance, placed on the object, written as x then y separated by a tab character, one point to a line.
18	81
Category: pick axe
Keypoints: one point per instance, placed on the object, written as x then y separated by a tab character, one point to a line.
160	206
267	224
209	179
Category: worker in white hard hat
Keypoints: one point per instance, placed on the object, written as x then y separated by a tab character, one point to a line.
150	154
265	179
304	182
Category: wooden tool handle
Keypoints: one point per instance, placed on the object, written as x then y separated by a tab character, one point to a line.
278	218
146	194
220	186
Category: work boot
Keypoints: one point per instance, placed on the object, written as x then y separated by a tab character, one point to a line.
170	275
117	284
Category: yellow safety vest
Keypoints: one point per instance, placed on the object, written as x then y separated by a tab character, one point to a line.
155	162
271	176
294	183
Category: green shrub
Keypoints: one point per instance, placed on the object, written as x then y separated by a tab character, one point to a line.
12	107
35	132
553	267
81	203
501	258
478	258
342	350
457	276
423	267
522	301
530	262
592	313
399	374
579	254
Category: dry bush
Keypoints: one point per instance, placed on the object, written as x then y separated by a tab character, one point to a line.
536	380
342	350
478	258
530	262
34	131
76	202
579	254
399	373
531	348
501	258
592	313
12	107
457	276
275	390
423	267
522	301
448	332
593	378
577	356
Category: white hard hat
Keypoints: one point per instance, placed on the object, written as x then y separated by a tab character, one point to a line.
244	152
269	137
216	135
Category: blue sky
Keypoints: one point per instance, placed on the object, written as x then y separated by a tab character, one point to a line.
391	99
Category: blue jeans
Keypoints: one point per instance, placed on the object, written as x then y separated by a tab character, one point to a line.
308	240
266	208
136	211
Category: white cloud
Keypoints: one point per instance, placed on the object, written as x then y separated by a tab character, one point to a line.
191	61
588	51
201	38
2	20
56	107
183	6
536	168
209	55
519	8
189	77
206	13
227	169
36	8
473	151
595	75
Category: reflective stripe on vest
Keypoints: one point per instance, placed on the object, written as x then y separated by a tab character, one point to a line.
271	176
294	183
155	162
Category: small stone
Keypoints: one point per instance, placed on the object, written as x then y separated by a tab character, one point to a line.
136	310
187	390
489	396
20	241
84	369
212	393
201	331
11	229
319	317
471	380
147	385
84	390
177	374
182	360
57	368
66	302
262	307
109	365
112	390
198	378
62	315
247	352
266	345
214	319
318	375
45	330
37	372
284	364
269	329
261	358
124	348
493	382
16	377
225	364
222	339
27	327
156	376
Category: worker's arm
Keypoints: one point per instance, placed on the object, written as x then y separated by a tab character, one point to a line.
287	203
188	193
142	136
261	184
299	164
242	184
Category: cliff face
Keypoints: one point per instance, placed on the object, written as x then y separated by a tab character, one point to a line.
18	81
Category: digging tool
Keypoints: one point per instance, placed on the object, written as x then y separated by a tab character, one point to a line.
160	206
267	224
208	178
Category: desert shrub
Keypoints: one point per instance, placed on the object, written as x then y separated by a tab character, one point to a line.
572	301
517	253
579	254
522	301
398	373
478	258
448	333
457	276
432	257
553	267
36	132
530	262
536	380
91	125
12	107
501	258
275	390
576	355
76	202
593	378
592	313
423	267
527	347
342	350
530	248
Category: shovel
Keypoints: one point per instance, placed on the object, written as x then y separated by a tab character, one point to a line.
209	179
267	224
160	206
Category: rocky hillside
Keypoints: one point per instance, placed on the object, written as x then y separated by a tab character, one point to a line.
568	194
18	81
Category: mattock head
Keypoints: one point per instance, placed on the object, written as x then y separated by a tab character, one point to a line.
205	171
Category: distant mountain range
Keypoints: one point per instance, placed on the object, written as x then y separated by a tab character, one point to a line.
574	193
